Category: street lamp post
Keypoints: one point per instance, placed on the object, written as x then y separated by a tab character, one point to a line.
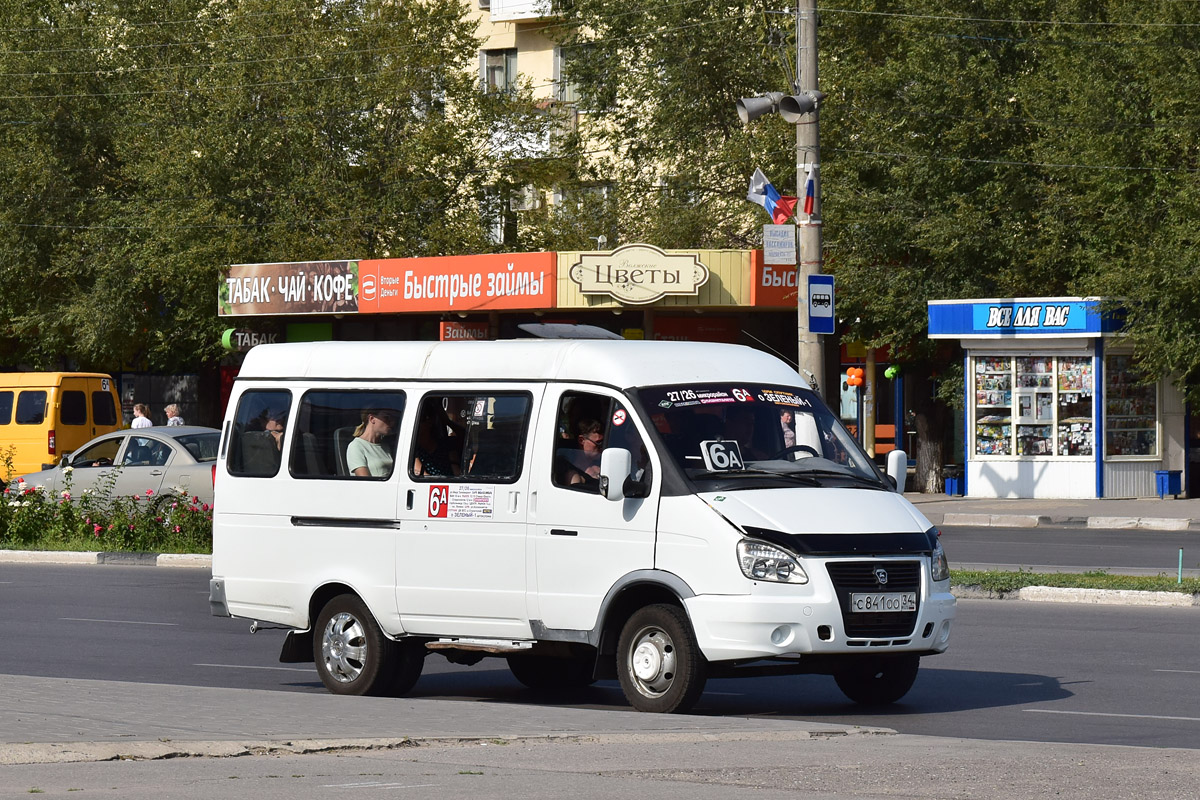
801	109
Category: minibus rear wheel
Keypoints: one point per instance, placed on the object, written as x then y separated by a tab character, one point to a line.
878	680
352	654
659	663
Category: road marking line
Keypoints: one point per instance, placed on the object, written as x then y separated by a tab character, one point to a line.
1184	671
118	621
378	785
1104	714
240	666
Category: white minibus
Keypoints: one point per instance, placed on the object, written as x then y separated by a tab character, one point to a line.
655	512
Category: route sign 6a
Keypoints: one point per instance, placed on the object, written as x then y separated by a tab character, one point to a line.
721	454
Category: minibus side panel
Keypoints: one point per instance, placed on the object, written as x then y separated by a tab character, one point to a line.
278	538
583	543
460	559
695	541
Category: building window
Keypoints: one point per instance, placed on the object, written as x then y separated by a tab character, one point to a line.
1033	406
499	70
567	86
1130	410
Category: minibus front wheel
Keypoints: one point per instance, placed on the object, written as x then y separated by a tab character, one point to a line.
355	658
659	663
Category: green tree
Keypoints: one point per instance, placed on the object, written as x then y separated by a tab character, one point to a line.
1044	147
230	132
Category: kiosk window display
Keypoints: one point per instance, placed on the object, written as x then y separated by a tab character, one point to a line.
1033	405
1130	410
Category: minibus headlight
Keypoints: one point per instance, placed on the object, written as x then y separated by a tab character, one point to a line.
939	567
764	562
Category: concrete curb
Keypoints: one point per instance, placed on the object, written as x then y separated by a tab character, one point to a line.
109	558
83	752
1042	520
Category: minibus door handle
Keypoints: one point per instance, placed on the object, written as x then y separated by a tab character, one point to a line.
156	472
562	532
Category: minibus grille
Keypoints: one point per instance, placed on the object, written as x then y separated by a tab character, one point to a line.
859	576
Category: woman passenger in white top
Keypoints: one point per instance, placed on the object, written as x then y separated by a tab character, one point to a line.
366	455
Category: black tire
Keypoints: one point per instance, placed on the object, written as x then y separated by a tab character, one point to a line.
878	680
353	656
658	661
409	661
546	673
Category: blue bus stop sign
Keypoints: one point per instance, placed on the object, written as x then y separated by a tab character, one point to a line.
820	304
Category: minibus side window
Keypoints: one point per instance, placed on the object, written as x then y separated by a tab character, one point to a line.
104	410
6	407
340	431
588	423
74	408
470	437
255	450
31	407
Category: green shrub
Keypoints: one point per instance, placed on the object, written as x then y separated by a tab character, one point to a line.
32	518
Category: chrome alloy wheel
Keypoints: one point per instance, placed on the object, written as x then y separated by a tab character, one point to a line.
652	661
344	647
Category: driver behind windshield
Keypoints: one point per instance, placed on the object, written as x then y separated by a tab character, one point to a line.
740	425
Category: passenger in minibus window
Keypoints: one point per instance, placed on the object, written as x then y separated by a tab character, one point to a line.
585	461
433	454
366	455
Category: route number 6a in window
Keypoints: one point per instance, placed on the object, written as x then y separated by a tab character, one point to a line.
721	454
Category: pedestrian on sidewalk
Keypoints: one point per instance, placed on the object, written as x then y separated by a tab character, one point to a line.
173	417
141	416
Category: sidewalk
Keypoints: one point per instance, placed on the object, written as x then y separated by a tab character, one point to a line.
1143	512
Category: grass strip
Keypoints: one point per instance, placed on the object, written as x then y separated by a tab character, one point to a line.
1011	581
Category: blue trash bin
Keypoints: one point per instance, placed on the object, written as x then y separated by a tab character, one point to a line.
953	475
1168	482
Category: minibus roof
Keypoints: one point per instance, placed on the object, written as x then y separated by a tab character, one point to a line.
43	379
616	363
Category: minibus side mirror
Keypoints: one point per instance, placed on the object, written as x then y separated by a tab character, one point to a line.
614	469
897	469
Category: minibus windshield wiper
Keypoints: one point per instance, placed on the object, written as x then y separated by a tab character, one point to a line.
751	473
817	474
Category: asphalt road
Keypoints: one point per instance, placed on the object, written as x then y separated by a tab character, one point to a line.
1066	549
1015	670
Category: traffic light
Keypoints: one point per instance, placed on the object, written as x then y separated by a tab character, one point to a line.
791	107
854	376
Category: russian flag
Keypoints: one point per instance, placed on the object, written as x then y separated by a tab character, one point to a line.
810	189
780	207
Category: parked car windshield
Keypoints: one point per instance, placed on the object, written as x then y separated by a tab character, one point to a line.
724	431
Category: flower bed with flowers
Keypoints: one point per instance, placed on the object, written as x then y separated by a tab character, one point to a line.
32	518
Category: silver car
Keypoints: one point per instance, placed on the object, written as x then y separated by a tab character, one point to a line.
158	459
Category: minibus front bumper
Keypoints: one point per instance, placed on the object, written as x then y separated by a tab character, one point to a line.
770	625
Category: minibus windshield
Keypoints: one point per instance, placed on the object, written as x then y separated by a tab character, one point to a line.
725	431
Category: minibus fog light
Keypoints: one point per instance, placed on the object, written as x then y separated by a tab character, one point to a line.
763	562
